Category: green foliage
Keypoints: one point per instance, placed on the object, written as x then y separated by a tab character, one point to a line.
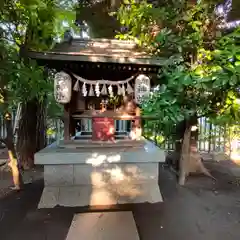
202	63
35	25
54	109
229	114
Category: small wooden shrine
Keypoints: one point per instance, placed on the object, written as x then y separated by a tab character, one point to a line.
93	77
101	83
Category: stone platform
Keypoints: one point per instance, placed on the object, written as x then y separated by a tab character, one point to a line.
100	176
103	225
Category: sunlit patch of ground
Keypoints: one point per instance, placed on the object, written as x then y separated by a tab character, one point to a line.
235	157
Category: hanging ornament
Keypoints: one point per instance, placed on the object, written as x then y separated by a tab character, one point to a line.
91	92
84	90
76	86
119	91
110	90
123	90
62	87
129	88
142	88
97	90
104	90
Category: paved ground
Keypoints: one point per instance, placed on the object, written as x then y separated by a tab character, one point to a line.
202	210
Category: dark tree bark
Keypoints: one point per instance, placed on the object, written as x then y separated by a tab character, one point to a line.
190	159
31	132
41	128
96	14
185	155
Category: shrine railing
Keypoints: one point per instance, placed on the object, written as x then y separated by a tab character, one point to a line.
120	126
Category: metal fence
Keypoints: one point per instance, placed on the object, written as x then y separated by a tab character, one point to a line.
211	138
3	130
217	138
54	128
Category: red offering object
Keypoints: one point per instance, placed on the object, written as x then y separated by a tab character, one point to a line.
103	129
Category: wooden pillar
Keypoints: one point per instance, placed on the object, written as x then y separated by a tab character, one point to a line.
67	116
72	127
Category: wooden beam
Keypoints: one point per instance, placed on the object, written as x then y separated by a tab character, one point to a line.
115	116
67	122
96	58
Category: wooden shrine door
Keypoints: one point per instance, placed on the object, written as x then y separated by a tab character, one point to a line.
103	129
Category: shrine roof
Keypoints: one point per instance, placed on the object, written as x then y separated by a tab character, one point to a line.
98	50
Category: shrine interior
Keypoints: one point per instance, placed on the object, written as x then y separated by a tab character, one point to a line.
80	104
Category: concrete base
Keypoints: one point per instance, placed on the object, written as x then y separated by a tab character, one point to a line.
103	225
103	176
81	196
100	176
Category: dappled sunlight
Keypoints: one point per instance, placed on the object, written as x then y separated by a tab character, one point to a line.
114	188
118	184
98	159
114	158
101	196
97	179
235	157
116	174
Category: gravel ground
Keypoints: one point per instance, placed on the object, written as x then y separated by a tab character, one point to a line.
202	210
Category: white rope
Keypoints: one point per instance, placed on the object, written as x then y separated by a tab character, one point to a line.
108	82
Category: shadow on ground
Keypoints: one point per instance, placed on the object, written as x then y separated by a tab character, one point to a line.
203	209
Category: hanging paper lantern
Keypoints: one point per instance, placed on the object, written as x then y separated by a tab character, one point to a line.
97	90
119	91
123	90
110	90
76	86
129	88
84	90
91	92
142	87
62	87
104	90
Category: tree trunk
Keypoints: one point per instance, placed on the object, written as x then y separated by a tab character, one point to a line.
41	128
190	159
184	159
9	141
31	132
13	163
108	26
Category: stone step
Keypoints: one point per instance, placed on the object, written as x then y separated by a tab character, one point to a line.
103	225
85	195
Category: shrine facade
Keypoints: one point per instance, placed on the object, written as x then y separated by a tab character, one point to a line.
93	73
101	84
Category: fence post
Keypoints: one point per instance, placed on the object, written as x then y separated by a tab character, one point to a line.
209	138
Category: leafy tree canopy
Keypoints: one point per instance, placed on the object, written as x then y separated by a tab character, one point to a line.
35	25
201	70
